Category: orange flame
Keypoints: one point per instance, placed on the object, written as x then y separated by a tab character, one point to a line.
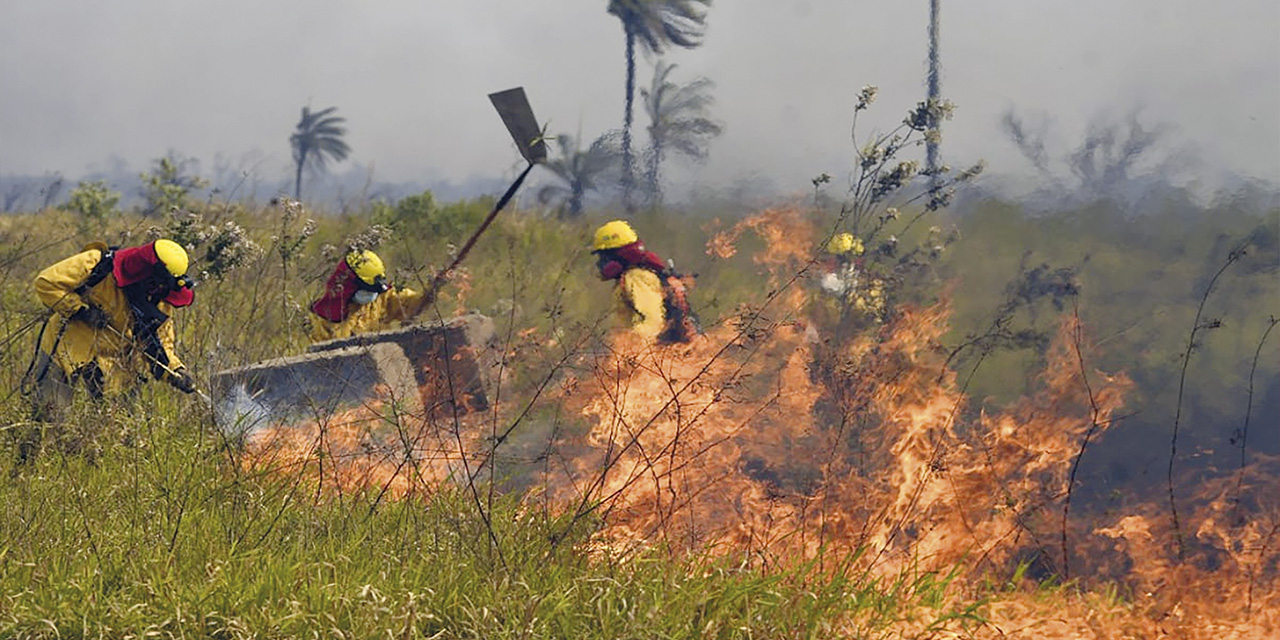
774	438
770	440
370	447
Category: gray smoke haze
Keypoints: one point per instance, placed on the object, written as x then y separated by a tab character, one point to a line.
87	84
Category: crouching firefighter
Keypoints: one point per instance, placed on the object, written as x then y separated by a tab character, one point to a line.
110	323
651	297
358	299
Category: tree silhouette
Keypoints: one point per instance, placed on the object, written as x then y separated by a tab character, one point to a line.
1105	160
678	121
317	139
653	24
579	172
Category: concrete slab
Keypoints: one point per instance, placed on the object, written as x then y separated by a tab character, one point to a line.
416	370
312	387
450	360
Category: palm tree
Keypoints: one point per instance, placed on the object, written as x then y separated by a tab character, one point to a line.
677	121
579	172
317	139
653	24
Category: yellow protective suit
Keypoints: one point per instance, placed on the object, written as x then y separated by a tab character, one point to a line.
396	305
640	301
76	344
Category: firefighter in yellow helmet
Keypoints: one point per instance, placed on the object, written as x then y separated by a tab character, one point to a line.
650	298
111	322
840	268
846	278
358	299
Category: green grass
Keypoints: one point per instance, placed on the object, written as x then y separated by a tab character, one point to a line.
164	537
137	521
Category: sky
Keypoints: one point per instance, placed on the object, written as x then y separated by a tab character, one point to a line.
85	86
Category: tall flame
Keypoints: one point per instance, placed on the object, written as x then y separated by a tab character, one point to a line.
775	440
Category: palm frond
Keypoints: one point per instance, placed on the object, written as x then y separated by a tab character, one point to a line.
678	114
579	172
658	23
317	140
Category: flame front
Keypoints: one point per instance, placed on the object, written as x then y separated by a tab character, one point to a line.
777	438
770	440
367	448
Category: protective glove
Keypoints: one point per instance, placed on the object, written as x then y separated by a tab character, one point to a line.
182	381
92	316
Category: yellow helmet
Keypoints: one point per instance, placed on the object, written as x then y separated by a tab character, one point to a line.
173	256
367	266
613	235
844	243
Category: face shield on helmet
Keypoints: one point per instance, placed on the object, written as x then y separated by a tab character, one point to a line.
163	281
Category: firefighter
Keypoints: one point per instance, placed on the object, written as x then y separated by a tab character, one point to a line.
111	323
840	275
857	292
650	297
358	299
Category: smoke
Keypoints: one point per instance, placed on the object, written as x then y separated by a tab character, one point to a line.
239	414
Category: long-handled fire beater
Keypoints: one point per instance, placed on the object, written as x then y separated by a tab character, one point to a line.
513	107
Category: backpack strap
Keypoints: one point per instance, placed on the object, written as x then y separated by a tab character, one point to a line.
100	271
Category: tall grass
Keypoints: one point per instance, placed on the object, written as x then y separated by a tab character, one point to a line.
138	520
160	535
